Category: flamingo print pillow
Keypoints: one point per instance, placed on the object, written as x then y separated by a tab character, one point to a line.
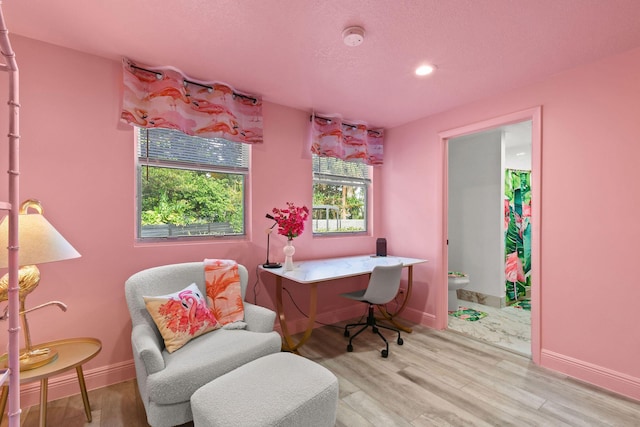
224	291
181	316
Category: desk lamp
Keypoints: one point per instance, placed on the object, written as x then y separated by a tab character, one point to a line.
268	264
39	243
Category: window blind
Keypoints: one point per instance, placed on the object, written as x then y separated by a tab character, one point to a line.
332	169
168	146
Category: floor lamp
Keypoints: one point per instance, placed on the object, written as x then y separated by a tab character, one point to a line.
39	243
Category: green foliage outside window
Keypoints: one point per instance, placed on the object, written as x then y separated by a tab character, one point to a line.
339	195
183	197
349	200
190	186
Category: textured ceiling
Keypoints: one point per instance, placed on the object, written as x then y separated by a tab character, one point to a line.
291	51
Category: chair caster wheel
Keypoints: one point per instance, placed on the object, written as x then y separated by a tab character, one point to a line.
349	348
385	353
374	330
346	333
400	341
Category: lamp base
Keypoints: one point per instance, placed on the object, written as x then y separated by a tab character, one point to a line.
272	265
37	357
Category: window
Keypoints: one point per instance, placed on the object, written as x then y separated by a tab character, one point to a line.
339	196
189	186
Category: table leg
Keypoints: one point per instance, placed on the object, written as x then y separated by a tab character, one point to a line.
289	345
390	316
44	383
83	391
3	401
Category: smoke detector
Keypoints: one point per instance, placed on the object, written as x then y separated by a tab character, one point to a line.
353	36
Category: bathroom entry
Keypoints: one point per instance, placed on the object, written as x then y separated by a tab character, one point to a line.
489	224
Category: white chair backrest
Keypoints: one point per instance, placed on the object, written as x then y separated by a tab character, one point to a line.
383	284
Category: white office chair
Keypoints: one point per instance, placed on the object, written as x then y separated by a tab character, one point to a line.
383	287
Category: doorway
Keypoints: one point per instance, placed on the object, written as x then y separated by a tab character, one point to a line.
487	266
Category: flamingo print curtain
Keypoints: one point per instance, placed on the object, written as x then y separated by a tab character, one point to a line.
331	137
517	225
165	98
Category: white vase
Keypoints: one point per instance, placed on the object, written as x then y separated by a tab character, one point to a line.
288	250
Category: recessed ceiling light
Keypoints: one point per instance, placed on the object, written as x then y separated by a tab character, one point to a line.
425	70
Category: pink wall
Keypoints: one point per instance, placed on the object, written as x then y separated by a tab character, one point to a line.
590	150
78	160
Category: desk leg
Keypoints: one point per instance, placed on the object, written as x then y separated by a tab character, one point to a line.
44	383
83	391
3	401
389	316
289	345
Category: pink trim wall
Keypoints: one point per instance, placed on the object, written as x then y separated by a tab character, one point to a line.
588	242
78	160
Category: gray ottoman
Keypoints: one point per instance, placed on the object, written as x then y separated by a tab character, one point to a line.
280	389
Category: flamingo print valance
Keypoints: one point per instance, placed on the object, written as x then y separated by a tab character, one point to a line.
165	98
331	137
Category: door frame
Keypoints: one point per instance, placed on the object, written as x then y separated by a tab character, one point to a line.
535	115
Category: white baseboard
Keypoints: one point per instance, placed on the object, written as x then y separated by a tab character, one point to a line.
480	298
597	375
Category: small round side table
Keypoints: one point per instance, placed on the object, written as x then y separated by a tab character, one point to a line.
72	353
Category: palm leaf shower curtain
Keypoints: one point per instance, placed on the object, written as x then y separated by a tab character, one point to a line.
517	226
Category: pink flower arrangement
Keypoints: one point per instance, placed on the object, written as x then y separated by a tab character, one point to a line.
291	220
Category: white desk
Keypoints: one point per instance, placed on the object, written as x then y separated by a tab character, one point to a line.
317	271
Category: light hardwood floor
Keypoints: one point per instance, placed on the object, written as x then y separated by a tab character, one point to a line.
437	378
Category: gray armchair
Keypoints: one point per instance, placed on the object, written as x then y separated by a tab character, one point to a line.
166	380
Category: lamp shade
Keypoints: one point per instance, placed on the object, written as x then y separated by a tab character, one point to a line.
39	241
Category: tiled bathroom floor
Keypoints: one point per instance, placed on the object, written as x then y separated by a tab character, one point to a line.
508	327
